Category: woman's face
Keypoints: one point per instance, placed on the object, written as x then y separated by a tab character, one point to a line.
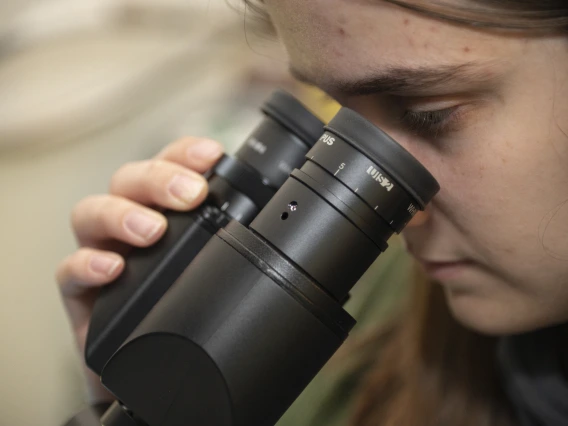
487	114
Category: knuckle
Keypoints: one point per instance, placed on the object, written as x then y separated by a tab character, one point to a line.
82	255
118	176
106	207
169	148
155	168
185	141
79	210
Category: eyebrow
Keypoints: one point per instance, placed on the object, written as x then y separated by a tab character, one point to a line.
405	79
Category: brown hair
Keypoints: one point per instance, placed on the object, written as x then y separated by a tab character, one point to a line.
428	370
545	15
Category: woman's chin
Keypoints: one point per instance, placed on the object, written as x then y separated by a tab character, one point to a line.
494	317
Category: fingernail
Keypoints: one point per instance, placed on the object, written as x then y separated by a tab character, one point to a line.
104	265
205	149
142	224
185	187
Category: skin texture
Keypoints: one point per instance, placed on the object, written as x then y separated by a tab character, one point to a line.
501	157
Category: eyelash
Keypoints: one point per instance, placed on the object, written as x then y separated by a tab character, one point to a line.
430	123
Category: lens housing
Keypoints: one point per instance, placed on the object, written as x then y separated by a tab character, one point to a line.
256	315
264	151
238	189
357	188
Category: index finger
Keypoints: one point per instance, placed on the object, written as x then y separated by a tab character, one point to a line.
198	154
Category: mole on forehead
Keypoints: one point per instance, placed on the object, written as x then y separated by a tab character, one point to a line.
344	25
414	41
421	40
350	31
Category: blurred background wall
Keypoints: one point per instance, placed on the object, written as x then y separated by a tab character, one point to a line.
86	85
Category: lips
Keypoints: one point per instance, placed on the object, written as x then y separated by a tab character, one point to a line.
445	270
440	269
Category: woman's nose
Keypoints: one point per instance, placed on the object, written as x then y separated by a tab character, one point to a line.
420	218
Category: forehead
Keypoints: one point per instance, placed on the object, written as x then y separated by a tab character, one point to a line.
348	39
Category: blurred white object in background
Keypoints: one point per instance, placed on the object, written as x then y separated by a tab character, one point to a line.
69	68
84	87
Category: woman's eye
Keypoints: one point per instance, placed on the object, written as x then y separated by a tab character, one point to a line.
429	123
